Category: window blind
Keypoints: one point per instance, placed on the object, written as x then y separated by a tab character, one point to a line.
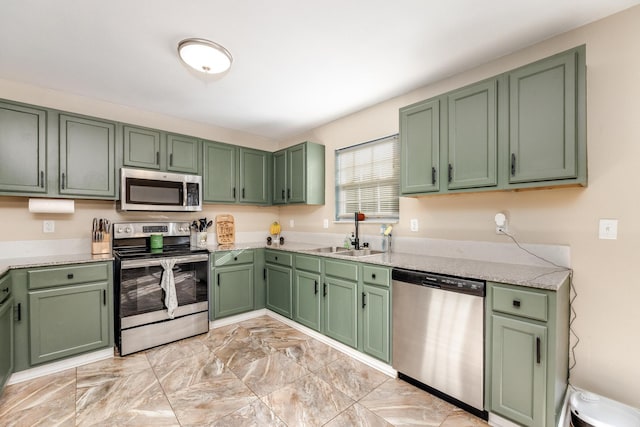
367	179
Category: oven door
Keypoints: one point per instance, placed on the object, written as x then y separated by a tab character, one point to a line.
142	298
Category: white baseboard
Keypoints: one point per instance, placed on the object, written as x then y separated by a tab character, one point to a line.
237	318
62	365
498	421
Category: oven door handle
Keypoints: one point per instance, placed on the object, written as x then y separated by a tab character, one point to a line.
152	262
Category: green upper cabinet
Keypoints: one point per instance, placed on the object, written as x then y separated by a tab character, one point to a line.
219	172
141	147
182	153
87	157
543	127
254	173
153	149
472	139
420	147
525	128
298	175
23	144
233	174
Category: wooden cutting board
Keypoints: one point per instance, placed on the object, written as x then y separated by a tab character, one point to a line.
225	229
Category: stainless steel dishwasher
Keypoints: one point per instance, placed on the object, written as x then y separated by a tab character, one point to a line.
438	335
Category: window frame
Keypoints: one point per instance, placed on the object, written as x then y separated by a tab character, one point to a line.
390	217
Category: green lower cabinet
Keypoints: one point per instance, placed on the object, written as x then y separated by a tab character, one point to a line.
279	287
6	341
340	310
527	353
69	320
518	373
306	307
375	322
233	290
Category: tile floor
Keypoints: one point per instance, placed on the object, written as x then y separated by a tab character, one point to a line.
259	372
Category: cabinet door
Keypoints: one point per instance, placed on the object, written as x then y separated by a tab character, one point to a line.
219	174
420	147
6	341
296	175
340	310
472	136
182	153
279	284
518	370
23	144
280	177
375	321
542	120
87	157
254	176
306	306
141	147
68	320
233	290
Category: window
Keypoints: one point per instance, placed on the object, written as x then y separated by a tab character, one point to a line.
367	179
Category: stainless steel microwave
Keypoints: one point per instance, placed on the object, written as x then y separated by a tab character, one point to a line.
145	190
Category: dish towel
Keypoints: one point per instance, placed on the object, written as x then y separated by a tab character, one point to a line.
168	284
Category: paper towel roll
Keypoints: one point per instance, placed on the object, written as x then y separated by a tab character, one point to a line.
51	206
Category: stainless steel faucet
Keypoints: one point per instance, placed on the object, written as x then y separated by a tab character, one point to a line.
356	241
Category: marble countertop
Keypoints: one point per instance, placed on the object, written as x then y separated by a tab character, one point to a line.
47	261
550	278
517	274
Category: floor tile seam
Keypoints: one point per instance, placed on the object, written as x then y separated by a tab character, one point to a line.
164	392
262	399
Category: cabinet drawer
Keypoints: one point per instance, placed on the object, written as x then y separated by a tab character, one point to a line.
343	269
308	263
519	302
67	275
233	258
379	276
278	257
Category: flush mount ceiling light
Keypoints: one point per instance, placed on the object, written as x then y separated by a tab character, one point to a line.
204	56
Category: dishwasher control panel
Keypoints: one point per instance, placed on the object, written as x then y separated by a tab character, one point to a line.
440	281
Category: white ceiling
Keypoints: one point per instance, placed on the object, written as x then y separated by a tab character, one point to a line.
297	64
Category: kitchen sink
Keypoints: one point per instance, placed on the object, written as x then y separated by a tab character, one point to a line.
360	252
330	250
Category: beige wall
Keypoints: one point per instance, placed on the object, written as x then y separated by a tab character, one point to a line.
605	271
606	276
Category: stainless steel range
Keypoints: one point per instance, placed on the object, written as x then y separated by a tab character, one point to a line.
161	292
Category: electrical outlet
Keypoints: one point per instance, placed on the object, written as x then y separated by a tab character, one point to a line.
48	226
292	223
414	224
608	229
501	223
325	223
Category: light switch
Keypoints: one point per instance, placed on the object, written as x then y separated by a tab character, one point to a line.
48	226
325	223
608	229
292	223
414	224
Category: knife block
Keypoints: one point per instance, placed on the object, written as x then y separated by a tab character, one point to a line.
103	247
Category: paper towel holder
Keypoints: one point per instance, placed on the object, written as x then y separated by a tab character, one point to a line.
52	206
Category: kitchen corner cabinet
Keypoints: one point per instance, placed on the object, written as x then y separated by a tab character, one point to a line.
279	277
153	149
87	157
62	311
234	174
233	283
527	353
6	330
23	144
298	175
525	128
